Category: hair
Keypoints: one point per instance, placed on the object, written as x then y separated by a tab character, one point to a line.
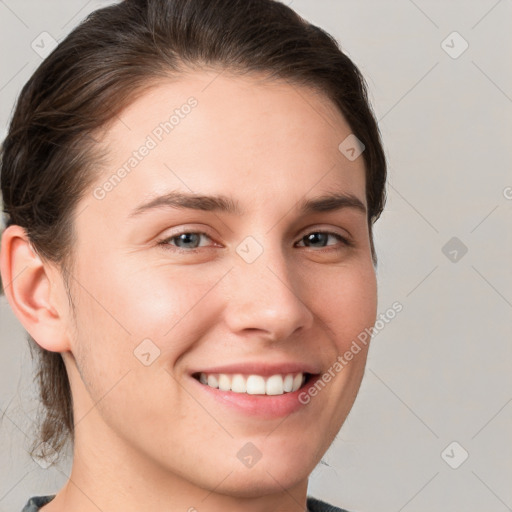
49	158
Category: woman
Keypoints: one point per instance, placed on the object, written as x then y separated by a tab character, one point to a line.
190	188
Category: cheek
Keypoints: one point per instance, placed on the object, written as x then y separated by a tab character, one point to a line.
164	303
348	303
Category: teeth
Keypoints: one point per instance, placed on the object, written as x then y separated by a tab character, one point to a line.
274	385
224	382
254	384
297	382
212	381
288	383
238	384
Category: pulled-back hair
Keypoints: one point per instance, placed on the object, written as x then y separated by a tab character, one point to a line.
49	157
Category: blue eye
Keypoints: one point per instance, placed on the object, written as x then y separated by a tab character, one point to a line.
190	240
186	240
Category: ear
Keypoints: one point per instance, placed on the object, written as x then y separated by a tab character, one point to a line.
35	291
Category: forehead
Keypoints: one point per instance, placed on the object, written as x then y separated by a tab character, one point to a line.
212	132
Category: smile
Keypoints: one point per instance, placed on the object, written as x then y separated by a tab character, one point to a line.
277	384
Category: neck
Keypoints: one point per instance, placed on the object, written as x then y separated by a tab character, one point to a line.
113	476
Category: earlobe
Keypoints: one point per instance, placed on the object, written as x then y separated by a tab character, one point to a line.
31	292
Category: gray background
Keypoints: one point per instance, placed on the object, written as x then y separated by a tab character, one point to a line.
440	372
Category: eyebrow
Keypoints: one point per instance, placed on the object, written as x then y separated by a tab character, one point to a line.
221	203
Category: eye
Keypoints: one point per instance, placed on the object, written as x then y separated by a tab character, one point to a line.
319	239
188	241
185	240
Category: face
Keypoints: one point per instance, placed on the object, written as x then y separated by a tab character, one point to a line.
252	283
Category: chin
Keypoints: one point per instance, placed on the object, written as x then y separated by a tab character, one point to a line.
253	483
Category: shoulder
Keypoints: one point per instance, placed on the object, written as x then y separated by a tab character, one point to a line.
36	502
315	505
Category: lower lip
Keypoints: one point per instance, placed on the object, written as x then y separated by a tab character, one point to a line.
263	406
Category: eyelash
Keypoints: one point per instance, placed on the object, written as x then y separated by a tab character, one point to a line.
165	242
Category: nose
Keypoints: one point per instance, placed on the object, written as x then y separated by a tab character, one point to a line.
265	298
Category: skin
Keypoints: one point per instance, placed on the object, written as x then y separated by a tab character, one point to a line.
146	438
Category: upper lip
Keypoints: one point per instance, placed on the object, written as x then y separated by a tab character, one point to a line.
264	369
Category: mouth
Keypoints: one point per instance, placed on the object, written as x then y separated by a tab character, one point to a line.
260	389
253	384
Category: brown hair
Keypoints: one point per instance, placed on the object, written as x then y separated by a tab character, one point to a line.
49	155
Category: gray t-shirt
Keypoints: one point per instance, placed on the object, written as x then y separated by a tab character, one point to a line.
314	505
